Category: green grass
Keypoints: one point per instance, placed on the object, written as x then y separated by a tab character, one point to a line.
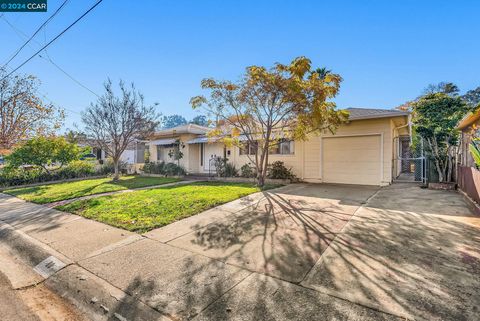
57	192
145	210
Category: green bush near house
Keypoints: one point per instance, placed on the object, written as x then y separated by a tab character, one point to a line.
247	171
23	175
162	168
58	192
107	167
145	210
278	170
225	169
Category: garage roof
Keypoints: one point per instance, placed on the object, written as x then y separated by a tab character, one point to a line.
370	113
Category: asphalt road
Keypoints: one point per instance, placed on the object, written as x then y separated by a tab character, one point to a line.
12	307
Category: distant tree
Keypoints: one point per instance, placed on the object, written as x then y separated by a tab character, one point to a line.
114	122
286	101
173	121
435	118
200	120
75	136
472	97
447	88
322	72
43	152
23	114
442	87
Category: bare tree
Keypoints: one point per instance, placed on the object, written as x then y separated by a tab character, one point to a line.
115	122
23	114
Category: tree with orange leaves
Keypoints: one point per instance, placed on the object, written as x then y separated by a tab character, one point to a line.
23	114
288	101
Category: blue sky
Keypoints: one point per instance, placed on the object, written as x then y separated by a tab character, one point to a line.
386	51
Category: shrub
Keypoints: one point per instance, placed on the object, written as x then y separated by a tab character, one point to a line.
247	171
44	152
154	168
277	170
172	169
475	151
225	169
81	168
162	168
22	176
108	167
230	170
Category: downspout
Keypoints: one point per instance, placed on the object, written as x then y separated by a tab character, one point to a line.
395	135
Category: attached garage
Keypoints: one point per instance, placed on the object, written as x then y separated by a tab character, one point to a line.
352	159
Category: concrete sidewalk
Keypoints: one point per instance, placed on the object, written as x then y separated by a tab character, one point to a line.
301	252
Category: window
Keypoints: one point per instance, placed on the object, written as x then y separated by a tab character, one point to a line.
159	152
249	149
283	147
201	154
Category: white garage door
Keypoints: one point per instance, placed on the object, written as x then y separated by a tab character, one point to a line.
352	160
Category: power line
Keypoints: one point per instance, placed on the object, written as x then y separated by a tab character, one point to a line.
20	33
51	41
69	76
37	31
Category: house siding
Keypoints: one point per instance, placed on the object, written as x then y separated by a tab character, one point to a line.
306	161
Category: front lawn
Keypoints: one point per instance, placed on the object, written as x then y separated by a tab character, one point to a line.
145	210
57	192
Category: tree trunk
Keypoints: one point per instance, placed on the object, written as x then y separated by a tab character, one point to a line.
260	176
116	176
265	166
450	164
434	148
260	171
261	179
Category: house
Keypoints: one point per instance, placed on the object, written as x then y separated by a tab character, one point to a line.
470	128
365	150
133	154
468	176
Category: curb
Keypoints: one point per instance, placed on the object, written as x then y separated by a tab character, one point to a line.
36	263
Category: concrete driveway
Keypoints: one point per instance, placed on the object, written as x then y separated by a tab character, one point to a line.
301	252
281	235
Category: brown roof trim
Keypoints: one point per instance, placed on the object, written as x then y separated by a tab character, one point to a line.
469	119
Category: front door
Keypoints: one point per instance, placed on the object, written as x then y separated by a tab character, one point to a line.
210	152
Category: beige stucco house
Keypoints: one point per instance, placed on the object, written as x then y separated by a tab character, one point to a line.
363	151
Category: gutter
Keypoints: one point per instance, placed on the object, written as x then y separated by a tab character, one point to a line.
409	124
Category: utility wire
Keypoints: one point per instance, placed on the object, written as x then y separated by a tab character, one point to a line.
36	32
51	41
69	76
21	34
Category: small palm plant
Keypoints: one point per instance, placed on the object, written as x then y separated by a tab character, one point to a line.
475	151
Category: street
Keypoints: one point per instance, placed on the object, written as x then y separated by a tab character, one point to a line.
33	304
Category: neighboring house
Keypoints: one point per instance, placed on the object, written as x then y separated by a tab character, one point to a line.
365	150
133	154
468	176
470	128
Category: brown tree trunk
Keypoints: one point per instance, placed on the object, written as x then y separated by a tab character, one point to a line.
116	176
261	170
438	166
